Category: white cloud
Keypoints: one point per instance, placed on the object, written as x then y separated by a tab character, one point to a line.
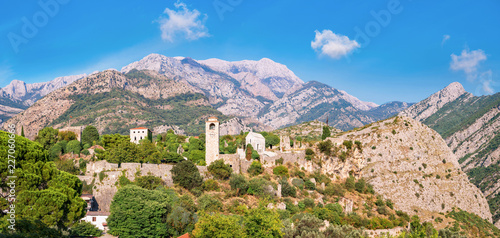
182	22
445	38
468	61
333	45
486	81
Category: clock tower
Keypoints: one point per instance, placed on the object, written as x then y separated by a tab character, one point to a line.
211	140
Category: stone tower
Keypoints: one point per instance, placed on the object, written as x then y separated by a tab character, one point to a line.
212	140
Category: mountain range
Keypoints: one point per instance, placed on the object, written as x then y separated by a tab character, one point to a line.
470	126
265	94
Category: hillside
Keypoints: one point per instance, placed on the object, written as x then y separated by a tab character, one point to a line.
470	125
115	102
408	163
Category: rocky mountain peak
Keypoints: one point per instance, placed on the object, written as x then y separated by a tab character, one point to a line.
424	109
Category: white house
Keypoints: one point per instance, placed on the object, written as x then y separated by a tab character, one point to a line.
139	133
97	219
257	141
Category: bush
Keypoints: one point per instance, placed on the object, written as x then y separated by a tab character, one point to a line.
255	155
389	204
238	182
278	161
209	203
298	183
309	185
85	152
255	168
256	186
187	175
210	185
309	151
334	190
349	183
308	202
220	170
360	185
148	182
347	144
287	190
280	170
325	147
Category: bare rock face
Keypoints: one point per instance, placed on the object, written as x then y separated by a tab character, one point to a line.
410	164
28	94
470	126
433	103
233	127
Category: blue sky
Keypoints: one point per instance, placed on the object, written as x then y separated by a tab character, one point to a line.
423	47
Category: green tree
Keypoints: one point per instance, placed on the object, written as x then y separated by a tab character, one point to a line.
263	222
89	135
138	212
197	156
85	229
326	132
272	140
220	170
171	157
22	131
47	137
43	192
73	147
125	151
218	226
187	175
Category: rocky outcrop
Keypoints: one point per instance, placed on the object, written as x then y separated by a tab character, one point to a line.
470	126
410	164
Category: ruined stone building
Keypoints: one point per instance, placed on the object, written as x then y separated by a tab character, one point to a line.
257	141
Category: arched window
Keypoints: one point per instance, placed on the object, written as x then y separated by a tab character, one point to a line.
212	126
135	137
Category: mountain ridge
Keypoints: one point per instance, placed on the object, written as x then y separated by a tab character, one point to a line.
470	126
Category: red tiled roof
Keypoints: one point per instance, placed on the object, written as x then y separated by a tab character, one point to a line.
95	213
139	128
184	236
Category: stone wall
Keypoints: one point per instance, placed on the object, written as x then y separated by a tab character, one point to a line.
105	190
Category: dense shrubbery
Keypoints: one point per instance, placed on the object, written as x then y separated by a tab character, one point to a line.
219	169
